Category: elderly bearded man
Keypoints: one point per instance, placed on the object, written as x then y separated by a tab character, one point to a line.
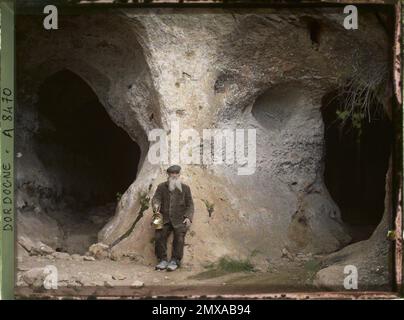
174	201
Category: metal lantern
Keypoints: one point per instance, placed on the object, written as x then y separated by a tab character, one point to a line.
157	221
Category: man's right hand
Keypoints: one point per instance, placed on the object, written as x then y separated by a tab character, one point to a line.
187	222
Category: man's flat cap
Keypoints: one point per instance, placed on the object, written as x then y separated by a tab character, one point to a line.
174	169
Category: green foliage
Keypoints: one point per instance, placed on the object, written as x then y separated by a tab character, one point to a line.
144	200
360	98
312	267
209	206
229	265
118	196
342	114
391	235
223	266
356	118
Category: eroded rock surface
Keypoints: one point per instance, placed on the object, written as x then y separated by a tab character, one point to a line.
216	68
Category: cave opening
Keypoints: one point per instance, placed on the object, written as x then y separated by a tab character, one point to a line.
89	160
356	163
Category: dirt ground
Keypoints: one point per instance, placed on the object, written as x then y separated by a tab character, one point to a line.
125	278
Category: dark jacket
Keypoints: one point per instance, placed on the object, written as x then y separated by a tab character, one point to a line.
175	206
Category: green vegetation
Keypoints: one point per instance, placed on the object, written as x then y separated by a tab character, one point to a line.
231	265
209	206
360	97
223	266
144	200
118	196
391	235
312	267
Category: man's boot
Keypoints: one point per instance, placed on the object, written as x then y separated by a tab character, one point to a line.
173	265
162	265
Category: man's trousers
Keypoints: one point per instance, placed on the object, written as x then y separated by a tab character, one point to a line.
178	242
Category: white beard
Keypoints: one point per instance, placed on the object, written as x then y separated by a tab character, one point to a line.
174	183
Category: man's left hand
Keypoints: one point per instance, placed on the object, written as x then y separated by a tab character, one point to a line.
187	222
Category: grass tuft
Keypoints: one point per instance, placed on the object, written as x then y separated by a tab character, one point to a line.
231	265
223	266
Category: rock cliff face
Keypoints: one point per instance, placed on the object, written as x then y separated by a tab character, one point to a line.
207	69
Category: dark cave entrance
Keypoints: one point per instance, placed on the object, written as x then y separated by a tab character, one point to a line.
89	159
356	163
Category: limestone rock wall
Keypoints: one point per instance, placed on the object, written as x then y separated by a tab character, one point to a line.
214	68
